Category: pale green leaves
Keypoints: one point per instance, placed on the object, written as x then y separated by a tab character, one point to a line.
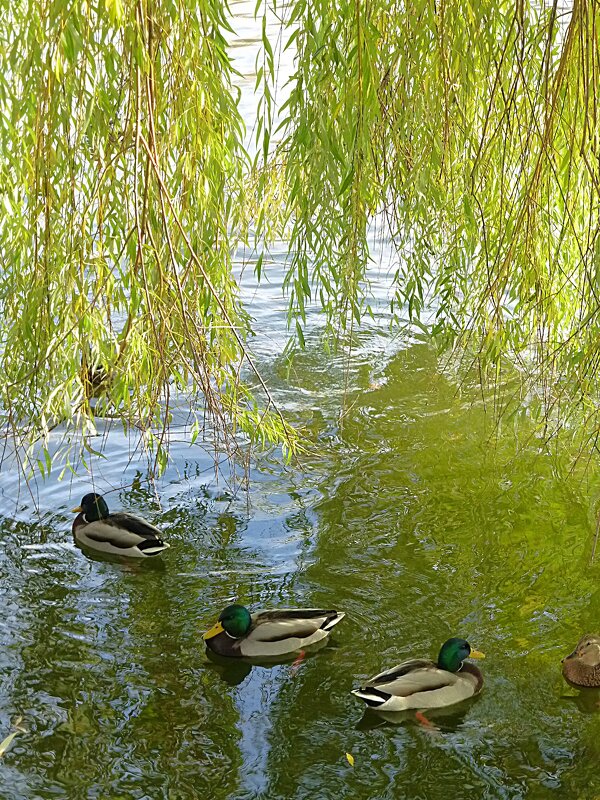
466	134
123	190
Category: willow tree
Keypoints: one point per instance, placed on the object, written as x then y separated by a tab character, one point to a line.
467	130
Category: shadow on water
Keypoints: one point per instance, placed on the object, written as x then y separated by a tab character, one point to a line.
431	719
132	564
587	701
234	670
231	670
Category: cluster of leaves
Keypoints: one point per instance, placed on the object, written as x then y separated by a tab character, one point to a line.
122	172
472	130
468	129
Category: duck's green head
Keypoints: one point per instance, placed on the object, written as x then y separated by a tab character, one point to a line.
454	652
93	507
234	620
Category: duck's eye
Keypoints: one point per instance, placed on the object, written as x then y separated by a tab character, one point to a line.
588	644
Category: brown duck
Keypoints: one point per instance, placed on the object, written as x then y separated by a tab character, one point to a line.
582	666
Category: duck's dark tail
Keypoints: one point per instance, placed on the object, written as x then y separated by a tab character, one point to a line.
152	547
372	697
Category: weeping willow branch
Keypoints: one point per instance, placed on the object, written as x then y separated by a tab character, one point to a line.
114	266
467	132
472	129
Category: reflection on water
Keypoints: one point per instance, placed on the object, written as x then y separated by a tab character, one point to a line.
587	701
433	721
232	670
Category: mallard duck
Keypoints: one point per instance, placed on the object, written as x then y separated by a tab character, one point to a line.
582	666
121	533
418	683
268	634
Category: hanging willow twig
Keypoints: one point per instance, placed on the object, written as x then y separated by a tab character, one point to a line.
113	266
473	129
469	129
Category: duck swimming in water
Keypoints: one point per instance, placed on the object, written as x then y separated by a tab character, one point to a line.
269	634
418	683
120	533
582	666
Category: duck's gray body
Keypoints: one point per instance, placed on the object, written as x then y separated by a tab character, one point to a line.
120	534
418	683
278	633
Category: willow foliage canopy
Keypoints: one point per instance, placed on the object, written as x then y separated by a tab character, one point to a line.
467	129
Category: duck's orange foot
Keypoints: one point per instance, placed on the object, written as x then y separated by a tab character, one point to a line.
298	661
426	723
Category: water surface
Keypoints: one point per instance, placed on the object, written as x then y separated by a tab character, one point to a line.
415	515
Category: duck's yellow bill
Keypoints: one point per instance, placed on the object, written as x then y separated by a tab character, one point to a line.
77	509
476	654
214	631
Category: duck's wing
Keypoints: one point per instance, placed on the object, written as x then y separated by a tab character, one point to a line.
285	631
124	531
134	525
414	675
268	626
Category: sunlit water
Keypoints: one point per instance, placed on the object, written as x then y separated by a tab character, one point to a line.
412	511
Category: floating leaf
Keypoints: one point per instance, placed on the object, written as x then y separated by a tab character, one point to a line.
5	744
350	759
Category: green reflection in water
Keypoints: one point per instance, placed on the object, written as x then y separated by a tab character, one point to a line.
417	516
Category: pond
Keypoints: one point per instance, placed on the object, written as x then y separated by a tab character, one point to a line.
412	510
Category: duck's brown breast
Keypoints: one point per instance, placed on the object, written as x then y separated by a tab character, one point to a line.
581	674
